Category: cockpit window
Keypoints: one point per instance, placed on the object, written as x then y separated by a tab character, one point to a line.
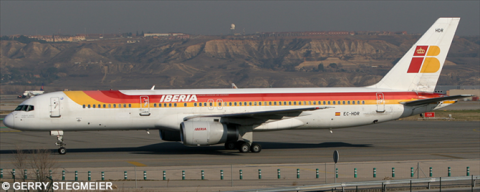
19	108
24	108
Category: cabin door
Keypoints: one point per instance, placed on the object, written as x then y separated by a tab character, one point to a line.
380	103
54	107
144	106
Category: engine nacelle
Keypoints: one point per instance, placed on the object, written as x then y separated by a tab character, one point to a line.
198	133
167	135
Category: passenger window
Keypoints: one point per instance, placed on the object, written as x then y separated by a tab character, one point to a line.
329	102
124	105
310	102
195	104
244	103
250	103
99	106
114	105
279	103
314	102
343	102
333	102
289	103
104	106
270	103
205	104
89	106
235	103
255	103
259	103
109	105
324	102
175	104
219	103
184	104
211	104
170	105
239	103
348	102
230	103
275	103
84	106
129	105
294	103
154	105
93	106
363	102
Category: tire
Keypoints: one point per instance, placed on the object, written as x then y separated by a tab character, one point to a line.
243	147
62	150
230	145
255	148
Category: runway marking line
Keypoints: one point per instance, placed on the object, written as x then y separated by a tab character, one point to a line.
449	156
137	163
13	131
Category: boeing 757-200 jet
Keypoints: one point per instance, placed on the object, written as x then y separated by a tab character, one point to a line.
201	117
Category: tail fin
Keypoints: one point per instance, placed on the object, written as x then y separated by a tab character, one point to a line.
419	69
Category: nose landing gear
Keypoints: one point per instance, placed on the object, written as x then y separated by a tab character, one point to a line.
59	134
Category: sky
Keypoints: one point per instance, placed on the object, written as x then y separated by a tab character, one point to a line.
215	17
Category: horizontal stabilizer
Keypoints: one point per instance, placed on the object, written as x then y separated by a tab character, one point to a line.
433	100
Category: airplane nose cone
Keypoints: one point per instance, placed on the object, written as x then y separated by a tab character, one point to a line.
8	121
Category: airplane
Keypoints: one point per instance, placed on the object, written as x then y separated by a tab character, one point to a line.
203	117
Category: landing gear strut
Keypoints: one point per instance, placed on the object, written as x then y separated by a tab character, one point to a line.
59	134
62	150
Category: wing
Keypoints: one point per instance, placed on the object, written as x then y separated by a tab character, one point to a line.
434	100
263	115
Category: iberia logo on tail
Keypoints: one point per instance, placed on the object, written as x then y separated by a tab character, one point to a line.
424	59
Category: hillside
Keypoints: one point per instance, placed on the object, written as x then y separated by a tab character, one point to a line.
217	62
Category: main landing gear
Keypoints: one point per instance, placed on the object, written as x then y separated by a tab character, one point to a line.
62	150
59	134
244	147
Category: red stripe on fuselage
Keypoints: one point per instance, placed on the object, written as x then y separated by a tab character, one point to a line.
118	97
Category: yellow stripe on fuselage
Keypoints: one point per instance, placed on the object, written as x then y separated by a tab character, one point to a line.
81	98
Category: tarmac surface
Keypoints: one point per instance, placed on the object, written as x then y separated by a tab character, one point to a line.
391	141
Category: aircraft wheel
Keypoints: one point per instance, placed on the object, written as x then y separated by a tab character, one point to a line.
243	147
230	145
62	150
255	148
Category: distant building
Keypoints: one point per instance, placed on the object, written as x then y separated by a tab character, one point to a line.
156	34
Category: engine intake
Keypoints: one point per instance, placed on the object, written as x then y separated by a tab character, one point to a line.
198	133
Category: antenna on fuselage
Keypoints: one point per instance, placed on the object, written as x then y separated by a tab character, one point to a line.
153	88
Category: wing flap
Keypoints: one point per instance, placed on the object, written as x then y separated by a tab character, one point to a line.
270	114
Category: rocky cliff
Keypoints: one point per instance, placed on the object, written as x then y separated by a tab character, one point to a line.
216	62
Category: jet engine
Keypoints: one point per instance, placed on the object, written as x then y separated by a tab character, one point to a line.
201	133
